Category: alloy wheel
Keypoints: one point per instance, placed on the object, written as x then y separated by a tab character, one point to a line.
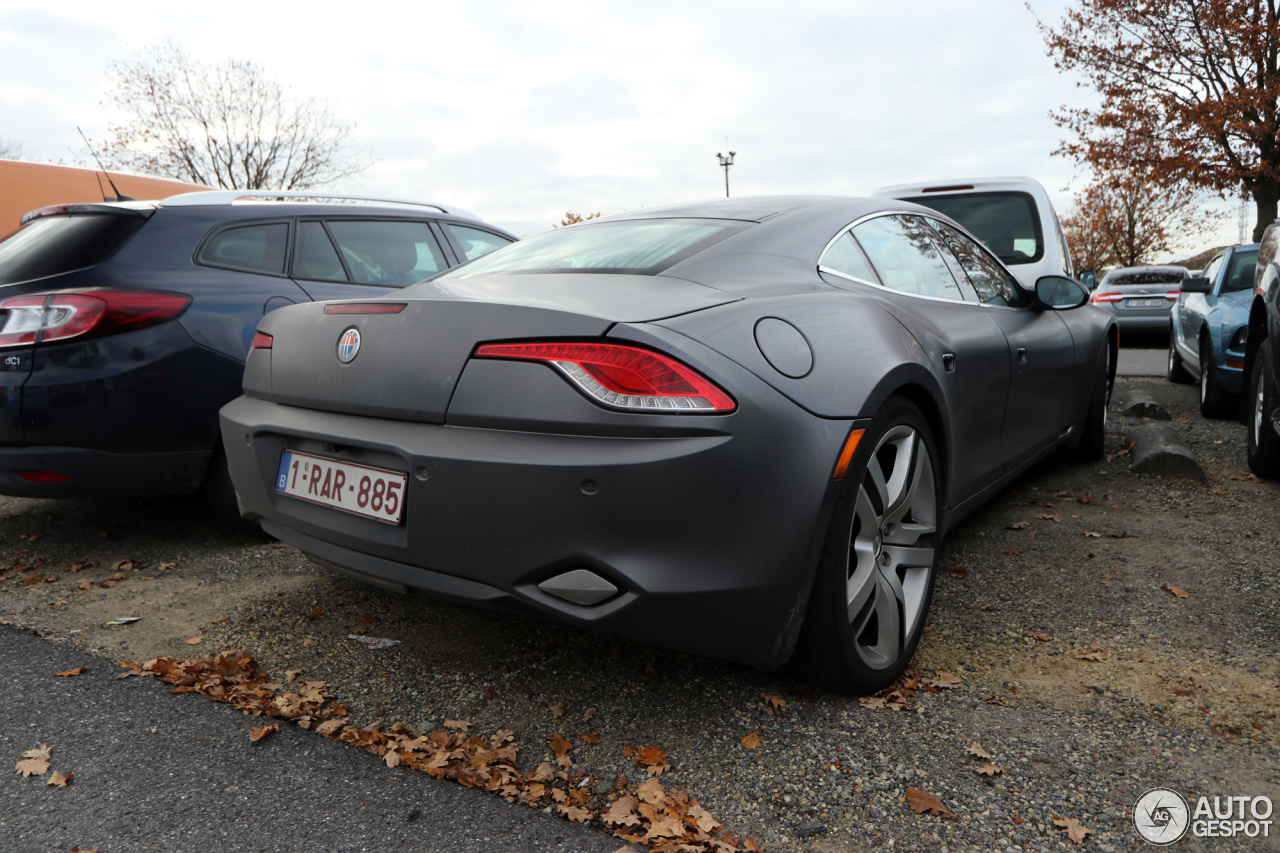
891	547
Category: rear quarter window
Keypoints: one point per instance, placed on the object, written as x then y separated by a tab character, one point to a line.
60	244
254	248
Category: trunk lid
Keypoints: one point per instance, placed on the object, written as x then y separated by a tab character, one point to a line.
407	364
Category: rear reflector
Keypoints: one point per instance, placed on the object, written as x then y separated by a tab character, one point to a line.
261	340
47	317
364	307
846	455
45	477
623	377
1239	365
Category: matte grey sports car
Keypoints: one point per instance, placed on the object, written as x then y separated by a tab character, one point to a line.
738	428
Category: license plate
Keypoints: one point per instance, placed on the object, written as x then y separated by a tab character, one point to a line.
358	489
1144	303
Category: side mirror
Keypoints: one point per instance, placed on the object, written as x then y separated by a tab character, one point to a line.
1059	293
1088	278
1196	284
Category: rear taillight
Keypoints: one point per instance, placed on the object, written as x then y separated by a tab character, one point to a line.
261	340
48	317
1102	298
623	377
1173	295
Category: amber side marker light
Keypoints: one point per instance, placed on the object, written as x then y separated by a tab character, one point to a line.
850	447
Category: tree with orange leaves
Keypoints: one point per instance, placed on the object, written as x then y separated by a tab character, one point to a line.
1126	219
1190	92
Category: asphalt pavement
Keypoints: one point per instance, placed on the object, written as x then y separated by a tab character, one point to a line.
155	771
1142	362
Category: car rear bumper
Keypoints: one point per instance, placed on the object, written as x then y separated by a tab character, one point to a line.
1142	321
710	532
99	474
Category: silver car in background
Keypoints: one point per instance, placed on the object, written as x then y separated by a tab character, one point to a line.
1140	297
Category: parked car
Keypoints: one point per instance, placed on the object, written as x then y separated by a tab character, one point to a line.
124	327
738	428
1208	326
1140	297
1262	361
1012	217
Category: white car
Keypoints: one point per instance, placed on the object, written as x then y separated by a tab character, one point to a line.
1013	217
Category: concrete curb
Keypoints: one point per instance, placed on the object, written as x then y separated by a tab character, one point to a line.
1158	451
1139	404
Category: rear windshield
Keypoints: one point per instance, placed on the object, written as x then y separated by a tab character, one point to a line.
1146	277
645	247
1007	223
59	244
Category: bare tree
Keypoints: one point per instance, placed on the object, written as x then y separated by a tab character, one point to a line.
226	125
10	149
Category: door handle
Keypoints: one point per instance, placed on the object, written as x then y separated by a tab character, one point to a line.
949	362
1022	355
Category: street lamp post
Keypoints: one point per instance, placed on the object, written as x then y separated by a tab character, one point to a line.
726	162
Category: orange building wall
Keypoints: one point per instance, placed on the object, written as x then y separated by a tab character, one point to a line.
26	186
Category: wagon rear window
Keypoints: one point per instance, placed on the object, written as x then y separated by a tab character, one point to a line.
1149	277
1007	223
644	247
60	244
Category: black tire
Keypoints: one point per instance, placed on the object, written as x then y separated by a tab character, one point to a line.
1177	370
220	493
830	652
1215	400
1264	397
1093	432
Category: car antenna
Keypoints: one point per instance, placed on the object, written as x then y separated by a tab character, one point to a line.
119	196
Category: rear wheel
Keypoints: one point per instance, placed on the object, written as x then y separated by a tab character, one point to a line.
1263	443
1177	371
875	576
1215	400
220	493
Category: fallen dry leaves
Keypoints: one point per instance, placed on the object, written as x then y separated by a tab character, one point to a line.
897	696
667	820
976	749
1075	831
194	641
1178	592
988	770
58	779
1095	655
957	571
774	701
1018	525
35	762
752	740
259	732
69	673
922	802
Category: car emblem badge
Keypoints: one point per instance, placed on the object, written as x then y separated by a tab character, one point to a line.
348	346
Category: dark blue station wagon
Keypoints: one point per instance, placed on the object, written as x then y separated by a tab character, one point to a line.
124	326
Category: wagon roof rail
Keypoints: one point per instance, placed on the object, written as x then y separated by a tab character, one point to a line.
225	197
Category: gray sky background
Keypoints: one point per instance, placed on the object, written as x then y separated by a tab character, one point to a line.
519	111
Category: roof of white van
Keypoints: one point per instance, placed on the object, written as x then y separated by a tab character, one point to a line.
964	185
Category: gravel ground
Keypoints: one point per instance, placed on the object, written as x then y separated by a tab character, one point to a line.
1186	697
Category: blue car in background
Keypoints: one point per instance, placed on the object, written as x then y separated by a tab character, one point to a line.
1210	327
124	326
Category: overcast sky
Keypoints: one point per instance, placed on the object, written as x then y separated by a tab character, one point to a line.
519	111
